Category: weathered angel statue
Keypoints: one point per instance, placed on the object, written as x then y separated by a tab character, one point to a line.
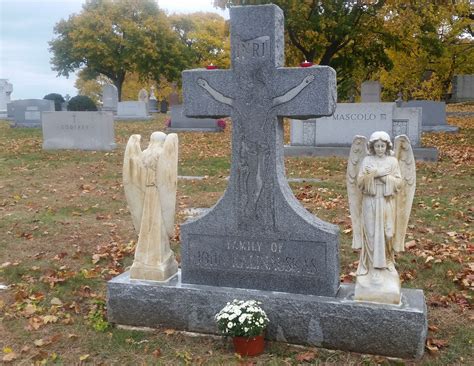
149	179
380	187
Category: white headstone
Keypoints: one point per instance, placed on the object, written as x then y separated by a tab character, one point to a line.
132	110
109	98
352	119
6	89
78	131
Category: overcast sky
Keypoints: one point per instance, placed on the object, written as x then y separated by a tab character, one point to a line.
26	27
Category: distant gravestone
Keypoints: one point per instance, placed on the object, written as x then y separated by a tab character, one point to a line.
132	111
109	98
152	102
370	92
434	115
258	241
78	131
463	88
179	122
333	135
27	112
6	89
164	106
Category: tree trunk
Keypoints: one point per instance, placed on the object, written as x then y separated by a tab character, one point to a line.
118	82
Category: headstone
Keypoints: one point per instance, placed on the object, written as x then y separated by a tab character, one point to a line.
64	105
258	241
179	122
143	96
463	88
333	135
27	112
152	102
6	89
370	92
164	106
78	131
434	115
132	111
109	98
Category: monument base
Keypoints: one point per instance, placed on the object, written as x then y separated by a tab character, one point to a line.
199	129
382	287
161	273
330	322
132	118
441	128
421	153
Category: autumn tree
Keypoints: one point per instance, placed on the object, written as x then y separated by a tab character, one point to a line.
116	37
436	42
345	35
205	37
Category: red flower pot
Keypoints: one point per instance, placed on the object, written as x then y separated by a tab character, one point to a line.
249	346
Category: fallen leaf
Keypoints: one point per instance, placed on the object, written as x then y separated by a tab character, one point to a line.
156	353
410	244
84	357
56	301
9	357
49	319
169	331
306	356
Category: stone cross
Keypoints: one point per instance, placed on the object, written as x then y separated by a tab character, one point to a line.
258	212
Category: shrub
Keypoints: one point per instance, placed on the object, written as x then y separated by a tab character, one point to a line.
81	103
57	99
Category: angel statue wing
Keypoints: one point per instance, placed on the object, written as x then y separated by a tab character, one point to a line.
167	178
406	161
356	155
134	179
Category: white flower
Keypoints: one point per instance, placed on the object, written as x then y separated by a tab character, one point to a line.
261	321
230	325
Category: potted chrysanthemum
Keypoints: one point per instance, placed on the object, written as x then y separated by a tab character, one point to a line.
245	321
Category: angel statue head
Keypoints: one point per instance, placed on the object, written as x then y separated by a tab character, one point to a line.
379	144
158	136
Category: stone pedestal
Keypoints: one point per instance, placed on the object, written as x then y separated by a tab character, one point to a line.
331	322
381	287
162	272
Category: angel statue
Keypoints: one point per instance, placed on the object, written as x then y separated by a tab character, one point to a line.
149	179
380	187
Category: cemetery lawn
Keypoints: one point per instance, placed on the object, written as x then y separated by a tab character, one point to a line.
66	230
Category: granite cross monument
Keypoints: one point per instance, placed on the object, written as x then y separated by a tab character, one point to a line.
258	235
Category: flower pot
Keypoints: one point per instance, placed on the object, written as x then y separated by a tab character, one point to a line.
249	346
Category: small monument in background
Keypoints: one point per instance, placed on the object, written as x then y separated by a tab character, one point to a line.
152	102
370	91
6	90
109	98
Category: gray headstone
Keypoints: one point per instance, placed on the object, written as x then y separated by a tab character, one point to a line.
163	106
27	112
434	113
6	89
463	88
370	92
78	130
352	119
132	110
258	235
179	122
109	98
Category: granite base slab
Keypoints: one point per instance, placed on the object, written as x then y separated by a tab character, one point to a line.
421	153
330	322
200	129
441	128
